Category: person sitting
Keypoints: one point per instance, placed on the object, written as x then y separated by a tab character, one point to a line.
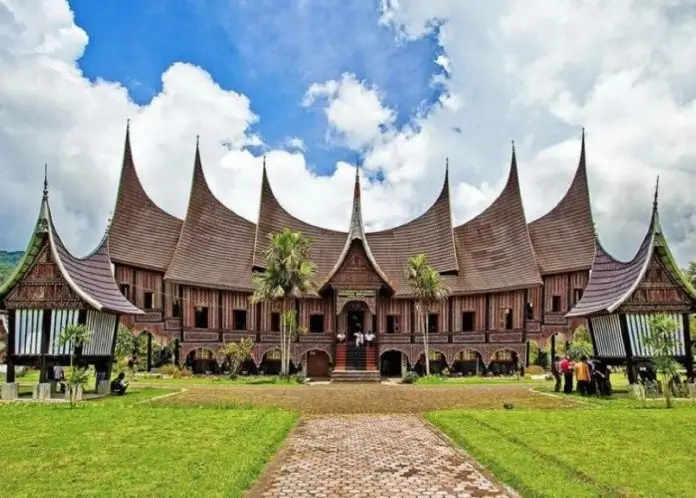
369	338
59	377
359	338
341	337
119	385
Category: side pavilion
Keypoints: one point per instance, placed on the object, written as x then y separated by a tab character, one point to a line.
51	289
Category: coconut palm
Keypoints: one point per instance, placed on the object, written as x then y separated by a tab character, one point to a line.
429	291
288	275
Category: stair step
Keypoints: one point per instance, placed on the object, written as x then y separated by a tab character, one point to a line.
355	376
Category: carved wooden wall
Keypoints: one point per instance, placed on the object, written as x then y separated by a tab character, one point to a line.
325	306
398	307
356	272
658	291
475	304
506	300
43	287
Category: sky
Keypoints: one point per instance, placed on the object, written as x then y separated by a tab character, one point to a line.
399	86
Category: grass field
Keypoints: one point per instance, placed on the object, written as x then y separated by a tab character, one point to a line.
115	447
581	453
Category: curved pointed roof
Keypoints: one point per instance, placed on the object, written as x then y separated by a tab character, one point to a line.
91	277
430	233
215	248
494	249
563	239
142	234
612	281
326	244
356	233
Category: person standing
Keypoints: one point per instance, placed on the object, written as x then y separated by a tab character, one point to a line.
582	375
556	372
567	372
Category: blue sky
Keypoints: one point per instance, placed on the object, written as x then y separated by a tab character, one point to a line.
269	51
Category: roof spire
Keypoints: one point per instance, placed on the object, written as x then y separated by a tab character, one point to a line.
45	189
513	161
356	193
198	137
657	191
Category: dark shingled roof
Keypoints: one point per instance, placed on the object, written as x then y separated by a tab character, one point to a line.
216	245
326	244
431	234
91	277
142	234
563	239
494	249
612	282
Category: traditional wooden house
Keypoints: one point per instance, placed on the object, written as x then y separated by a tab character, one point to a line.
50	289
621	297
511	282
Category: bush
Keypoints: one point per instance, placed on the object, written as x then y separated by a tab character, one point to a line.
534	370
432	379
411	377
171	370
300	378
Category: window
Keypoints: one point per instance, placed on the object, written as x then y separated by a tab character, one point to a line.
432	323
503	355
529	311
434	355
466	355
506	318
148	300
240	319
316	324
577	295
392	324
275	322
125	290
555	303
273	355
468	321
201	319
374	323
176	308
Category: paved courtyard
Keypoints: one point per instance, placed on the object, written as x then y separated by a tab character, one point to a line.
371	456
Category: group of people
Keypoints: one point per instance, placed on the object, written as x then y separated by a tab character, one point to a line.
360	338
592	377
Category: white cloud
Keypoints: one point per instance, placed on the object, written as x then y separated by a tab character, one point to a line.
354	110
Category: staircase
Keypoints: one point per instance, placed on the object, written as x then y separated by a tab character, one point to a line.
355	364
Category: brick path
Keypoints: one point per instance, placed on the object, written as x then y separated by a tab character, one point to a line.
371	456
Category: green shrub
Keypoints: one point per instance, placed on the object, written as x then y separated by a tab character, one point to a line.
431	379
411	377
300	378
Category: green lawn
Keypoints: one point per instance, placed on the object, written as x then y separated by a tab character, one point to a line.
581	453
114	447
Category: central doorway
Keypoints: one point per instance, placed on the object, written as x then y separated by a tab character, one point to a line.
356	319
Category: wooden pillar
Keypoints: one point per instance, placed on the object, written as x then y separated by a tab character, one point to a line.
149	351
177	347
689	360
10	378
527	354
112	358
45	343
553	348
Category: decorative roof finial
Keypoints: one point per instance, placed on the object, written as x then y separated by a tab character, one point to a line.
109	220
127	124
657	191
45	189
264	161
198	138
446	164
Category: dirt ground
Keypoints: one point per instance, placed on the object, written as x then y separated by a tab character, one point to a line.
368	398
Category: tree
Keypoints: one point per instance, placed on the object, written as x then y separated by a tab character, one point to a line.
581	345
125	342
237	353
661	340
288	275
690	273
429	290
76	335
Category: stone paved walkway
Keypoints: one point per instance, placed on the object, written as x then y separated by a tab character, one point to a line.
371	456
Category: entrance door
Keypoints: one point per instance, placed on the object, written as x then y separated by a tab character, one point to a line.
355	322
317	364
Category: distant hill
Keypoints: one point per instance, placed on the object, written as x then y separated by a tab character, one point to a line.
8	261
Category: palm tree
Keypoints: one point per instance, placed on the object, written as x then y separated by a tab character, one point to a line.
77	336
288	275
429	290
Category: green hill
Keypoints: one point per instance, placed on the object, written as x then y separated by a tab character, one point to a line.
8	260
